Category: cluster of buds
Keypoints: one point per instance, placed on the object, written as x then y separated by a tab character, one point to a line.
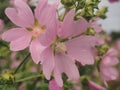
85	8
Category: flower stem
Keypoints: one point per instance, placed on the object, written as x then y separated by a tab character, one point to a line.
28	78
24	60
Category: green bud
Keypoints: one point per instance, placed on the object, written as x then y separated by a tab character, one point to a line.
89	11
83	11
102	12
93	3
81	4
77	16
102	49
7	77
90	31
84	79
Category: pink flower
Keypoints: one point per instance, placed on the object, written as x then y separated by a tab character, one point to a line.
94	86
108	72
53	85
62	53
81	48
58	62
36	30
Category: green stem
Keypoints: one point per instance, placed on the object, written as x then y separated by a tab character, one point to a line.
24	60
28	78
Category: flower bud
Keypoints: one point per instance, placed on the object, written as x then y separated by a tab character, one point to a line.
7	77
81	4
89	11
93	3
90	31
77	16
102	49
102	12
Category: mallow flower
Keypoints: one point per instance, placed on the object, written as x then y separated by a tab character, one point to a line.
80	48
70	44
107	71
34	30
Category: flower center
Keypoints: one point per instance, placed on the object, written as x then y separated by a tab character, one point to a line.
59	47
37	31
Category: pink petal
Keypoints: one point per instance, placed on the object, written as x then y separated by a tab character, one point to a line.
50	33
36	49
19	38
72	27
58	76
112	52
13	34
53	85
44	12
95	25
109	61
109	73
49	36
46	15
94	86
65	65
21	15
81	49
41	7
47	62
20	43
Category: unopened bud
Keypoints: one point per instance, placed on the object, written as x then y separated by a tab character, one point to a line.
7	77
102	49
102	12
90	31
93	3
89	11
81	4
77	16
